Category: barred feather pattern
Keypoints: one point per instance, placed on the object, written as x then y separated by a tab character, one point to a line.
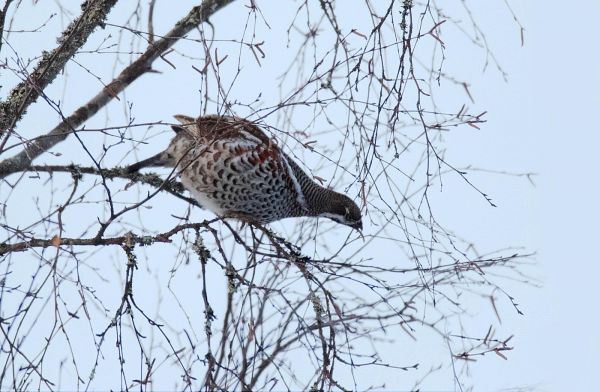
234	169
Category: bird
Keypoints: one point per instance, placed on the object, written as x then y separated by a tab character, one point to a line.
232	168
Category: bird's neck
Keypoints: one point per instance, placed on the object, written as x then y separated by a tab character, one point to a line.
316	198
314	195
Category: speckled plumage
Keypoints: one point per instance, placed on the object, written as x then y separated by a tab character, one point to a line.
234	170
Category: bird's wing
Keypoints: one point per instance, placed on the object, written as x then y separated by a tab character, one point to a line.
297	176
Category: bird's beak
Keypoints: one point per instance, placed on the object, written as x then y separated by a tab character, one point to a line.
358	227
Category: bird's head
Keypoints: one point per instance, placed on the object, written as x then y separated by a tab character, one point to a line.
343	210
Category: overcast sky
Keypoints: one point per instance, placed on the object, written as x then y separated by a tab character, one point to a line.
544	120
541	120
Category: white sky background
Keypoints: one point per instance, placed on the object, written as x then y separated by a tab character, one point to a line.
540	121
543	120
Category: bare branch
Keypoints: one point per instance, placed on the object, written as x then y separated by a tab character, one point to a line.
141	66
353	95
3	19
171	186
143	240
52	63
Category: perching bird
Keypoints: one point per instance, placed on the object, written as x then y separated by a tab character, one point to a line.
234	170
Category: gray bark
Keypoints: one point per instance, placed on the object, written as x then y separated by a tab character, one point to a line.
139	67
51	64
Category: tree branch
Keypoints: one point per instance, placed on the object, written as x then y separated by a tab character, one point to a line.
143	64
3	19
53	62
128	238
173	187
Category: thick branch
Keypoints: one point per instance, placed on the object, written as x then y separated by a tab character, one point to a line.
136	69
128	238
173	187
53	62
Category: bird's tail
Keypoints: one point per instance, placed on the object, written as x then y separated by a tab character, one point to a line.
164	158
160	159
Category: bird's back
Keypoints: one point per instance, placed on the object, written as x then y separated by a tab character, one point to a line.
212	128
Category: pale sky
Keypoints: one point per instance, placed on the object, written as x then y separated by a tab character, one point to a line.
543	121
540	120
